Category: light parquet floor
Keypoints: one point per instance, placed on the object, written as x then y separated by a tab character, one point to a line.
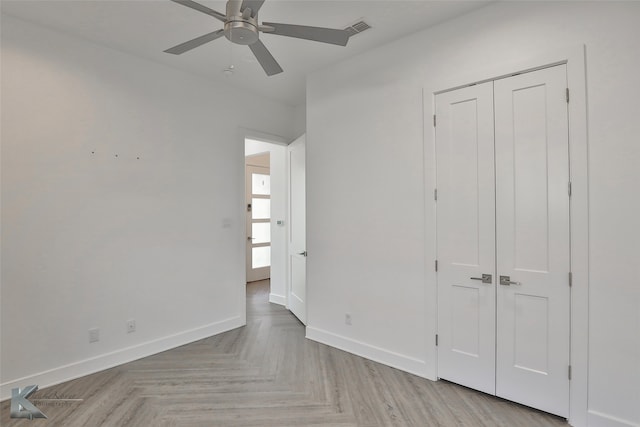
267	374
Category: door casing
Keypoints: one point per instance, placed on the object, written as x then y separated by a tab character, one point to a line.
574	58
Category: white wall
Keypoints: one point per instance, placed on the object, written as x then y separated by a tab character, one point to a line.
277	159
91	239
370	247
300	119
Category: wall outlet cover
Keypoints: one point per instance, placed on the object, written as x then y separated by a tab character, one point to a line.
131	325
94	335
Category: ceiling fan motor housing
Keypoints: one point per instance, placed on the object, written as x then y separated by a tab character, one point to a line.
240	30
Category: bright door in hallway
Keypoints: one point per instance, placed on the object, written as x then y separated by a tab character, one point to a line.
258	205
297	230
527	254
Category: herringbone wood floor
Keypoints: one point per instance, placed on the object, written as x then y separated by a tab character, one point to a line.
268	374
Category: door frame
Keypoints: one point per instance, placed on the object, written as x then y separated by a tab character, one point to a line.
240	210
574	58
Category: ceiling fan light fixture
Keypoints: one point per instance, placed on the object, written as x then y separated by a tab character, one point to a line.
228	72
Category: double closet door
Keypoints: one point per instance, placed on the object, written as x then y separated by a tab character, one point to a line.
503	241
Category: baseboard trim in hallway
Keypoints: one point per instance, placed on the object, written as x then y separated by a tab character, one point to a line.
109	360
278	299
606	420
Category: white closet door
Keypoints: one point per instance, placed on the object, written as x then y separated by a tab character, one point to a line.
532	217
466	236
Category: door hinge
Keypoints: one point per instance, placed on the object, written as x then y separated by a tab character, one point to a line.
567	95
570	279
569	373
436	266
434	120
435	194
436	340
570	190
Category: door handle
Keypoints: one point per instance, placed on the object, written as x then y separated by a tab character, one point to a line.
304	254
506	281
250	238
486	278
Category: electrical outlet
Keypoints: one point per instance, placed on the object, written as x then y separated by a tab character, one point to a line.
131	325
94	335
347	319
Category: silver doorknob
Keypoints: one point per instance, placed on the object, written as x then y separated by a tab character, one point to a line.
486	278
506	281
303	253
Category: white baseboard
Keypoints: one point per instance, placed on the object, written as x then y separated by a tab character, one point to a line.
599	419
377	354
278	299
118	357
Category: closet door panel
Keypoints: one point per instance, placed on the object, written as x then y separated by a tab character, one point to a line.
466	236
532	239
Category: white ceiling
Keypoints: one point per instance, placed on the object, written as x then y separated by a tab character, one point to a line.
146	28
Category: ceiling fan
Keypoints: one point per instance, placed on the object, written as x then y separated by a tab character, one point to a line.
241	26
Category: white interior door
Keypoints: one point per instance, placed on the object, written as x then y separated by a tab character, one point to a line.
533	250
509	337
258	202
466	237
297	230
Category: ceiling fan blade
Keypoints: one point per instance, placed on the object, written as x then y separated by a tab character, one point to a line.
318	34
198	41
265	58
204	9
254	5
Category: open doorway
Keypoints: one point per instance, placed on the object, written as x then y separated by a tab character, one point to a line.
276	220
266	215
